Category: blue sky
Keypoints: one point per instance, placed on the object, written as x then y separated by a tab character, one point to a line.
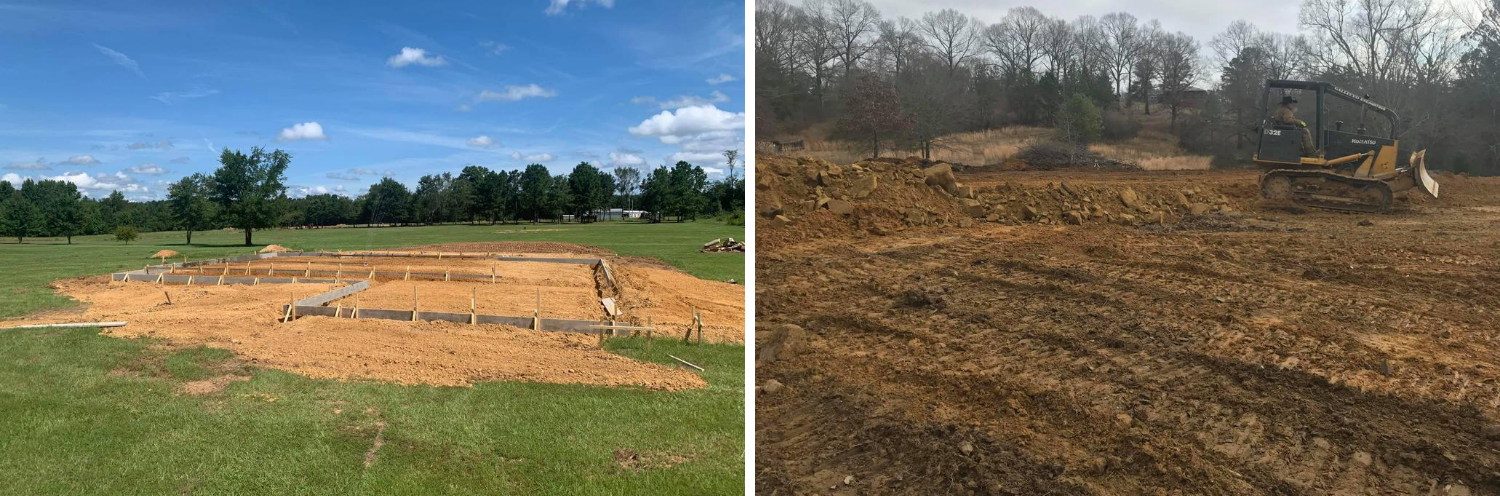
131	95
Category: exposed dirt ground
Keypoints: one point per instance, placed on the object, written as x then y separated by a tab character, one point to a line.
490	299
1246	349
246	319
354	267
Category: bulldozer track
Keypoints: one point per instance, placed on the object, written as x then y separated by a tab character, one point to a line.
1327	190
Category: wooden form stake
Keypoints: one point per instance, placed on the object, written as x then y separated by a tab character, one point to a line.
407	277
355	313
169	296
492	273
414	302
473	316
291	303
536	316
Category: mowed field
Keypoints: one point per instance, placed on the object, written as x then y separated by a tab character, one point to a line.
85	414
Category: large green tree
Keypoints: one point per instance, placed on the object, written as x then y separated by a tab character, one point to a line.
587	185
59	204
250	189
535	187
20	218
387	202
189	201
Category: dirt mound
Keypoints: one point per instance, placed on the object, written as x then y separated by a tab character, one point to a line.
526	247
807	198
274	249
165	254
1051	155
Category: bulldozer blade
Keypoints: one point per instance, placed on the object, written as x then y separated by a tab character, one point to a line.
1423	180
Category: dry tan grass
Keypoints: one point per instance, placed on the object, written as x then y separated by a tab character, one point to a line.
1152	150
971	148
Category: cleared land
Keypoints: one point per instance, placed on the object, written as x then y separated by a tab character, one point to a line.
256	410
1247	349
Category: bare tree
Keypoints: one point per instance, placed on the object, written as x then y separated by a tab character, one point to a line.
954	37
853	26
1059	45
1180	68
898	43
1123	44
1018	39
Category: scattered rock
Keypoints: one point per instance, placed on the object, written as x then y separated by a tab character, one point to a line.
840	207
785	340
1073	217
966	447
863	186
1198	209
941	176
1491	432
1362	458
1366	223
772	386
1130	199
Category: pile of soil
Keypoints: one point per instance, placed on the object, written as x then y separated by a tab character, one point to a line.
274	249
165	254
1051	155
808	198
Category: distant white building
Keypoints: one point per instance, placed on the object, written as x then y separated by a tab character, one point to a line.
620	214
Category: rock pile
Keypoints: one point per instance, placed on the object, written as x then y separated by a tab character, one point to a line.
723	245
879	196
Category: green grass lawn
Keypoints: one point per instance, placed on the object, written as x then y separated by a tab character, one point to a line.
86	414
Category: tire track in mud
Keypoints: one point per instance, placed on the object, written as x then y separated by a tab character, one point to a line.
1046	349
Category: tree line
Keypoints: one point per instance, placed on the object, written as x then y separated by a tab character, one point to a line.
911	81
248	192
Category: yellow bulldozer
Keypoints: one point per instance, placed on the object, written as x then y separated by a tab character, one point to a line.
1358	170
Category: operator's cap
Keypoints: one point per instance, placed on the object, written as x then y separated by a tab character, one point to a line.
1288	99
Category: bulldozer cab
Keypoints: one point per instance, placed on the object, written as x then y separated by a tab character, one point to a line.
1341	124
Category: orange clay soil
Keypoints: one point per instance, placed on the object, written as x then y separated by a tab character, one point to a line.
490	299
669	296
523	273
245	319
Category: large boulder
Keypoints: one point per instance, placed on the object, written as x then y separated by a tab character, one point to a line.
785	341
863	186
941	176
840	207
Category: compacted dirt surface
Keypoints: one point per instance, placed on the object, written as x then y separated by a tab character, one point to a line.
1243	349
247	320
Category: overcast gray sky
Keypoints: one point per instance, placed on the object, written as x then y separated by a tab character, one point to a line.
1202	19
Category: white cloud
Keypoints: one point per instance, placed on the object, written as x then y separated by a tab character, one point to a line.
13	178
536	158
102	183
672	126
495	48
649	100
557	7
366	172
409	56
342	177
464	108
301	132
721	79
142	145
38	164
168	97
694	101
82	160
121	59
513	93
148	169
618	159
712	170
480	141
180	160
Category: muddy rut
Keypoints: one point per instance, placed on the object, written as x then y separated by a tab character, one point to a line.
1263	351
